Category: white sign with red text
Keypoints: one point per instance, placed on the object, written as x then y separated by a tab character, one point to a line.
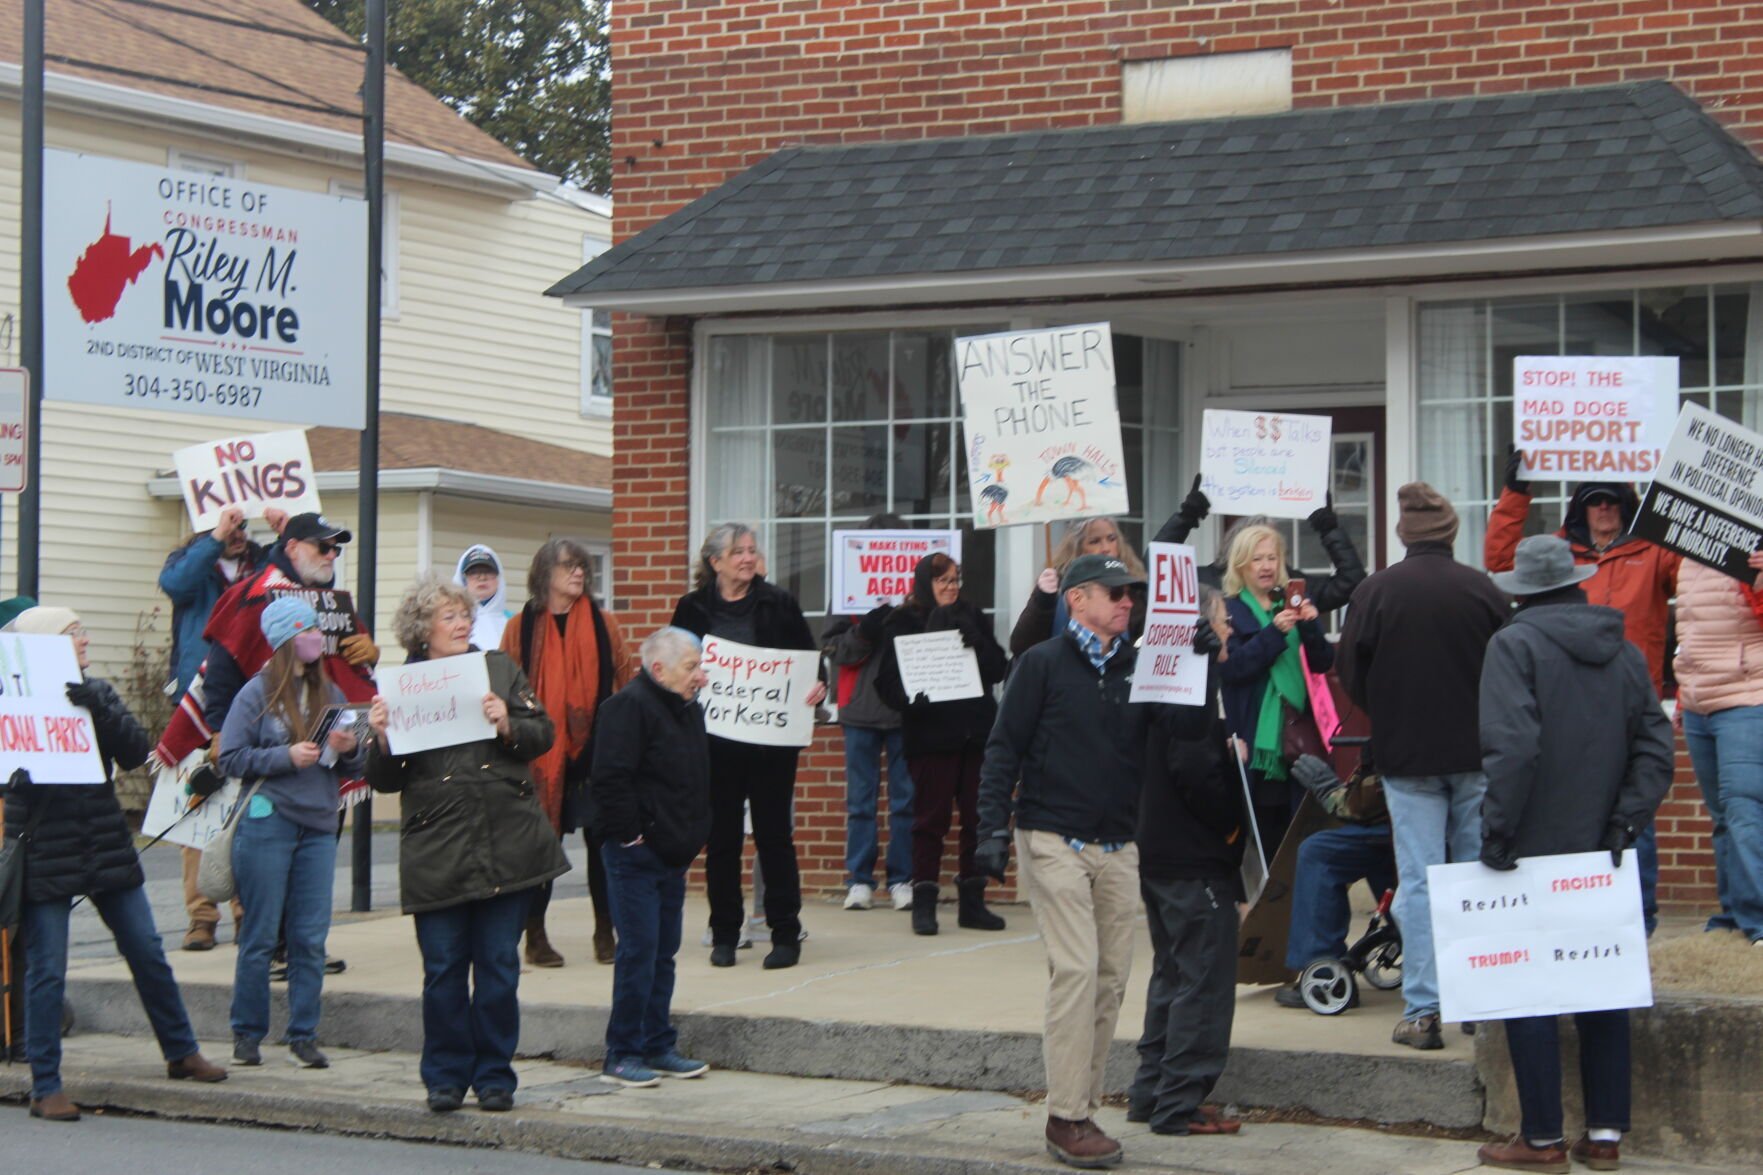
1169	670
1593	417
758	695
1557	934
15	423
254	473
1272	463
437	703
40	730
874	567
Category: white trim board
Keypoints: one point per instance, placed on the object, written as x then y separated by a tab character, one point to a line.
485	486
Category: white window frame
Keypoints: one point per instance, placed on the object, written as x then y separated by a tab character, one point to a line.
177	159
592	403
389	283
600	574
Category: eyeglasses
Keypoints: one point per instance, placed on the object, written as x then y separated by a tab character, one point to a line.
953	581
1116	592
77	632
571	565
326	547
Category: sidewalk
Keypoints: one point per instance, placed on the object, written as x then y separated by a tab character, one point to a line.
724	1121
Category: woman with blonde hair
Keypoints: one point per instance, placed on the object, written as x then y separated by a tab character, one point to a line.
1274	643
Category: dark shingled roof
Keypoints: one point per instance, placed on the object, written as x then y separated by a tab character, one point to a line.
1569	161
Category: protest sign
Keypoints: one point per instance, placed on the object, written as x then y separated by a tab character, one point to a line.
254	473
1265	463
1261	941
874	567
758	695
437	703
40	730
177	815
1596	417
15	426
1169	670
1707	501
938	665
201	294
1557	934
1041	425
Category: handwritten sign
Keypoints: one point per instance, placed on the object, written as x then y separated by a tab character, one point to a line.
1168	669
939	666
437	703
758	695
1604	417
176	814
874	567
15	407
1557	934
254	473
1707	502
40	730
1041	425
1265	463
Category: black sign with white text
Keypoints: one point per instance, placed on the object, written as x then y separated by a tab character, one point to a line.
1707	503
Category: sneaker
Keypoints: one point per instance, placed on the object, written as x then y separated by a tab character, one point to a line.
860	897
1599	1156
445	1101
674	1065
902	895
630	1073
1422	1032
304	1054
744	943
1516	1154
247	1051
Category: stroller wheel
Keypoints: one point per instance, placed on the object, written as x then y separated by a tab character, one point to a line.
1383	967
1328	987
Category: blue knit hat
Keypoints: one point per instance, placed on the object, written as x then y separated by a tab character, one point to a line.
286	616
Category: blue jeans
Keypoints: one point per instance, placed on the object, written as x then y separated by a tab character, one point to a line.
1727	750
648	903
282	868
470	992
130	920
1436	820
1328	862
863	752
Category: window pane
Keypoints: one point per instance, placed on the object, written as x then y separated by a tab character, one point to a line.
798	379
860	377
921	468
798	472
1523	328
1675	322
1738	334
797	562
979	567
735	389
602	366
1129	378
1599	324
922	370
860	462
1132	444
602	319
736	475
1453	351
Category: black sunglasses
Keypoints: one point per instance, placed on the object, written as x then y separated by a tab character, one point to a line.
326	547
1116	592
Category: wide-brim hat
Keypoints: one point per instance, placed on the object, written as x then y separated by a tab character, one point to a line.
1543	563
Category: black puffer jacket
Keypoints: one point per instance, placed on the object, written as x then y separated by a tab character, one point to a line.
84	844
939	728
472	826
652	771
1193	822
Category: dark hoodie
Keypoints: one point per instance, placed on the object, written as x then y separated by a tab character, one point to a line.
1192	818
1573	738
934	728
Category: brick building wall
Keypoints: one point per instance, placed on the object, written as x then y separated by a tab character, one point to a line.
702	90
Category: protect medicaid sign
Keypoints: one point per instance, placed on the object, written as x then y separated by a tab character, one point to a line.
1592	417
874	567
1169	670
1707	501
40	730
437	703
758	695
1557	934
254	473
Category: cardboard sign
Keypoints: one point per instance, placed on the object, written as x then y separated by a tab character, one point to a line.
1592	417
15	425
758	695
254	473
1707	501
1041	425
1168	669
939	666
1265	463
1261	943
40	730
1557	934
437	703
174	814
874	567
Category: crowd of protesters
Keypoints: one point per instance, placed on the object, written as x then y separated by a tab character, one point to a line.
1512	715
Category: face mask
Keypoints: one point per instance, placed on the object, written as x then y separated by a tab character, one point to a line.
309	645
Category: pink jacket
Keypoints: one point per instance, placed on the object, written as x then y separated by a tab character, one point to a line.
1720	643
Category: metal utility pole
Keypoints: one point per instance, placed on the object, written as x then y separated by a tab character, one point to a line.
30	292
373	151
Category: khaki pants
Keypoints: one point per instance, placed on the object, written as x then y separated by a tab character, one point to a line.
1085	906
200	908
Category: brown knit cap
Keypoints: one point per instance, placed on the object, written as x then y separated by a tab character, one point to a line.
1427	516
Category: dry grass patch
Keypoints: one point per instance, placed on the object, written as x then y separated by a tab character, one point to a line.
1720	962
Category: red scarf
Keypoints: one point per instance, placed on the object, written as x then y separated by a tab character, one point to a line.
565	674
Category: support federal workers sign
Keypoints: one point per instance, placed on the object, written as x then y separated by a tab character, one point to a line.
201	295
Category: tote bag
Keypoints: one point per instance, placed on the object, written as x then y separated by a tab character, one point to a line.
214	874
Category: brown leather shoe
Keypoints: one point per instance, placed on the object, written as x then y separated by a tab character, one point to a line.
195	1067
1081	1144
200	936
538	947
1516	1154
57	1107
1599	1156
605	945
1208	1120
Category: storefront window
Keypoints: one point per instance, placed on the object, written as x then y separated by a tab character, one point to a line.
1465	352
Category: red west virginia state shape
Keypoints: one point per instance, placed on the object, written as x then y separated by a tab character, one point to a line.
104	270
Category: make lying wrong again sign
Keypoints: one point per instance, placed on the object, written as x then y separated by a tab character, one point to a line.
758	695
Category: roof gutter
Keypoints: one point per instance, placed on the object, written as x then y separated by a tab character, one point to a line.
483	486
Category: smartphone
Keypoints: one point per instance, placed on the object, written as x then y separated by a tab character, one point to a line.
1294	592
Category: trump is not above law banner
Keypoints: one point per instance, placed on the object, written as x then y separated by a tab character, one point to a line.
1041	425
1169	670
1272	463
1557	934
758	695
201	294
255	473
874	567
1592	417
1707	501
40	730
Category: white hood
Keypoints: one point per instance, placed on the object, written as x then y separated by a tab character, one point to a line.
492	614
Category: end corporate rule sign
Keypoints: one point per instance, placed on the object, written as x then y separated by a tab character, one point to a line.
1707	502
1596	417
202	295
1169	670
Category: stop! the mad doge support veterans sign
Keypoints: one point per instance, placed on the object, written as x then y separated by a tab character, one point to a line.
202	295
1592	417
758	695
1557	934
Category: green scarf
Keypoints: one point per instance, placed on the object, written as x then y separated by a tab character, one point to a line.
1285	684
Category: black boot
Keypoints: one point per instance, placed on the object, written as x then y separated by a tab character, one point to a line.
924	907
973	914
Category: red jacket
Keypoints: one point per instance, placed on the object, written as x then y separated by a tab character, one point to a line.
1634	576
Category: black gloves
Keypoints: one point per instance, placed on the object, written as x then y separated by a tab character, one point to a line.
919	701
1324	519
1206	642
1314	774
1195	506
1513	460
1496	853
992	857
870	627
1617	836
20	782
85	695
205	780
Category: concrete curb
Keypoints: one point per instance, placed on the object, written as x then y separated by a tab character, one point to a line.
1334	1085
